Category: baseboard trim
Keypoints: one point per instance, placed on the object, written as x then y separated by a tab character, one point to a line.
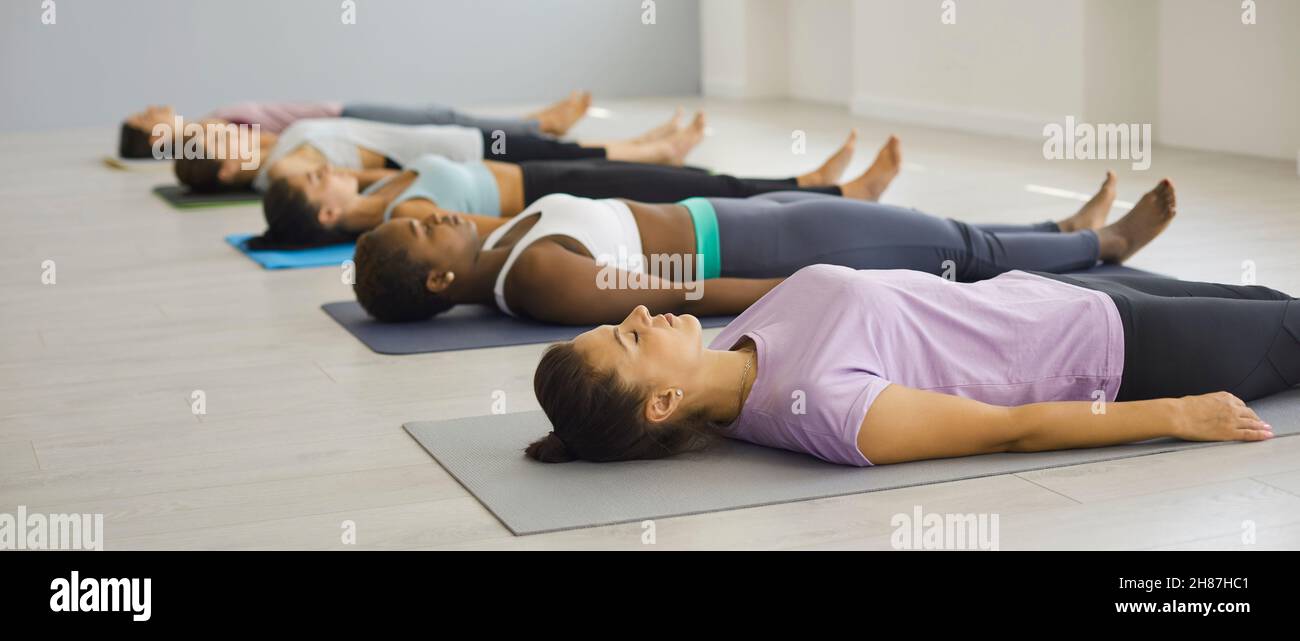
999	123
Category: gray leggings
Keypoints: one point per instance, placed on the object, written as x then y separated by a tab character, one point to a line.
775	234
438	115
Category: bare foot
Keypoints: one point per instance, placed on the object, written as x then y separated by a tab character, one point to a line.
670	150
560	117
653	135
1093	213
662	131
685	139
1123	238
872	183
831	170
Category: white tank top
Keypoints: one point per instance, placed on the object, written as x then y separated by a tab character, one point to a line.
606	228
337	139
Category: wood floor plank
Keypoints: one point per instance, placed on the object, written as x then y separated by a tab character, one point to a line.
18	456
303	430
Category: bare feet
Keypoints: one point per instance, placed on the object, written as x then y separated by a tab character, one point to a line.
1123	238
667	150
560	117
1093	213
871	184
831	170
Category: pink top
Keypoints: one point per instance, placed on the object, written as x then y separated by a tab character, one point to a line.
830	339
274	117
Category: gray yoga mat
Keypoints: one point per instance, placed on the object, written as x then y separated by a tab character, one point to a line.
485	453
465	327
474	327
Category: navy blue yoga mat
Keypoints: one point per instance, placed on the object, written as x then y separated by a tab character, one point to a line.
473	326
465	327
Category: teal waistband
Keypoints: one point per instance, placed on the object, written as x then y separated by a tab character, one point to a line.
707	244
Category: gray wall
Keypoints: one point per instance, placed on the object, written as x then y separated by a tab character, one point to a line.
103	59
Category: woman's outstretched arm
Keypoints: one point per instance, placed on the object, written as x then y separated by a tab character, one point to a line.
555	285
905	424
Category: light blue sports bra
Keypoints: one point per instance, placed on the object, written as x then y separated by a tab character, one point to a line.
466	187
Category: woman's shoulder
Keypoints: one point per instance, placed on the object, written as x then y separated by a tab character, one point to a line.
824	273
818	282
413	208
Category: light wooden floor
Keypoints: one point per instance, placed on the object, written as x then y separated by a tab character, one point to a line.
302	430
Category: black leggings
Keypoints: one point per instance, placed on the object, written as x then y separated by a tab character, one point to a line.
777	234
1186	337
521	147
646	183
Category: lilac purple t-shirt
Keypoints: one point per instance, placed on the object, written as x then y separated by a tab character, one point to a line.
275	117
830	339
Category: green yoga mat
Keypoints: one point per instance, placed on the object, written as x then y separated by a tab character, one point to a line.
182	198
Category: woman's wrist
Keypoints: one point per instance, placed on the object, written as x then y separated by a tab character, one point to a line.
1172	414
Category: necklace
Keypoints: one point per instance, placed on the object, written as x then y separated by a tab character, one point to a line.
740	405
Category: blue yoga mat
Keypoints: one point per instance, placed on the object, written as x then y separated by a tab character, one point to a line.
330	256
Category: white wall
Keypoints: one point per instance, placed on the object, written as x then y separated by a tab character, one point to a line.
1190	67
820	50
1121	49
1227	86
722	47
777	48
744	48
102	59
1005	66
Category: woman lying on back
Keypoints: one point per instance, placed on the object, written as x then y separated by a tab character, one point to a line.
873	367
573	261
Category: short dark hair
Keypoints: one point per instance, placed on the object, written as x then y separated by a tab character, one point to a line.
597	417
133	142
200	174
391	286
293	221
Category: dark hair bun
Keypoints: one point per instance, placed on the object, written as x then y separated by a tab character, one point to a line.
549	449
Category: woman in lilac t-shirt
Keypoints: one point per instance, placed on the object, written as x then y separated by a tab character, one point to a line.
885	366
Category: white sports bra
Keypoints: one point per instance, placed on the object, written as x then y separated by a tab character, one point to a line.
606	228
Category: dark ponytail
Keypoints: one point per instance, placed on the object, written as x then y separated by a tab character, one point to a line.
597	417
549	449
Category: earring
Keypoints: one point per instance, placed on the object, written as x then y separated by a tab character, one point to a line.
679	392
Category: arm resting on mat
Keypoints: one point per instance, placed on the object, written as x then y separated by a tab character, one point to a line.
905	424
556	285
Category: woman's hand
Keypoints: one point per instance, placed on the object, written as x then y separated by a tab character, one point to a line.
1219	416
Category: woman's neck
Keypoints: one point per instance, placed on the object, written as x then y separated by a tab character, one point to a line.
478	287
726	378
365	214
